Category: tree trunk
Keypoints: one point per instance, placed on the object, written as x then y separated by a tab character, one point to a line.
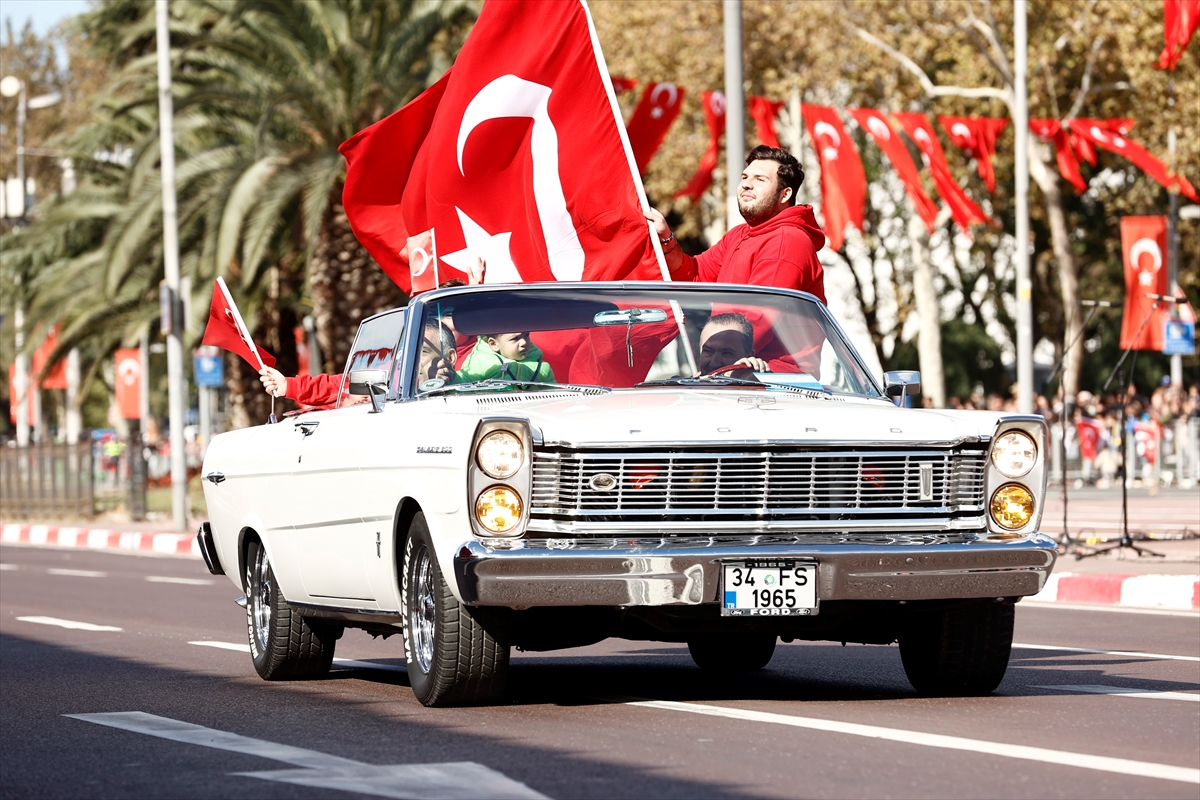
1045	175
346	286
929	338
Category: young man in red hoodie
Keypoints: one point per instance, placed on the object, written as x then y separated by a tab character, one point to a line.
776	247
778	244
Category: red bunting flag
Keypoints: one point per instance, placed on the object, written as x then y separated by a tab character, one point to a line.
658	108
962	208
714	115
1109	134
226	329
1144	247
874	123
621	85
516	156
843	182
128	374
1051	130
56	376
763	111
976	136
1180	19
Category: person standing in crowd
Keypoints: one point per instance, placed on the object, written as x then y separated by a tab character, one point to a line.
778	244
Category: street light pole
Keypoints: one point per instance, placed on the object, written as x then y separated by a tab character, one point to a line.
166	142
1024	285
735	111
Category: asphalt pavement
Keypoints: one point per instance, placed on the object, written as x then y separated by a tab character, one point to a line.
126	675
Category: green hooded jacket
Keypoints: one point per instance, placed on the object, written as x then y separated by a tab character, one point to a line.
484	363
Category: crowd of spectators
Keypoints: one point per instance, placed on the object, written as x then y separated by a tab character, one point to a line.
1093	430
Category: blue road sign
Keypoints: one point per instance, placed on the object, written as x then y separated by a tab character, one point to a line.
210	370
1180	338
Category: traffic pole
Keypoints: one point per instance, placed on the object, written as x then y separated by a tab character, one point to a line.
735	111
1024	285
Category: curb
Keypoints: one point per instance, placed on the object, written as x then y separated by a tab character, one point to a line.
1178	592
171	544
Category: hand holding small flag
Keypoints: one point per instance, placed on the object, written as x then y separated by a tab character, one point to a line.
227	330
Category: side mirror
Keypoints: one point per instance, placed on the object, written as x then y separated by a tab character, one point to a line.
371	382
901	384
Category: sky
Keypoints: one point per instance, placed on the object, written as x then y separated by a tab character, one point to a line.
44	14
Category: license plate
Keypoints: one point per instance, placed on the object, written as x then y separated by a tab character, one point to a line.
768	588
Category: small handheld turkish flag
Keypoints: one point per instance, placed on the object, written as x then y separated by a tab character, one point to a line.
227	330
1144	245
421	254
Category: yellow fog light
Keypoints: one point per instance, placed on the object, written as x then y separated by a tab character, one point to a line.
1012	506
498	509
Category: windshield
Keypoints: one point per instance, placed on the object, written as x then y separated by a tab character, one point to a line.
546	337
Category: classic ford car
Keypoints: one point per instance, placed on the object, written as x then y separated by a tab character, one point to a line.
545	466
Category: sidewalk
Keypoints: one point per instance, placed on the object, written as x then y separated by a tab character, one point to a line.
1116	578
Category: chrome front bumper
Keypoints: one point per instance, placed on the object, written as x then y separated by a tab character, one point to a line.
663	572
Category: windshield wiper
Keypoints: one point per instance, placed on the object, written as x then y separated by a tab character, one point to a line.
495	383
728	380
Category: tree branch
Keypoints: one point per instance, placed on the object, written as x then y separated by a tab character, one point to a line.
932	89
1051	89
1076	27
1085	85
998	58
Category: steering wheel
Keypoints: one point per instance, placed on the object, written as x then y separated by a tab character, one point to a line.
729	368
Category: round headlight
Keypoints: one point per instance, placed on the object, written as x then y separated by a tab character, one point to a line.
500	454
1014	454
1012	506
498	509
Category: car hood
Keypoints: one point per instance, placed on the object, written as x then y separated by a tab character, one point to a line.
728	416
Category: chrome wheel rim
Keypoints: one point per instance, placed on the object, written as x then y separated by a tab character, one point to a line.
263	590
421	615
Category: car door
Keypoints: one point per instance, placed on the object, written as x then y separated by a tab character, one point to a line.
336	548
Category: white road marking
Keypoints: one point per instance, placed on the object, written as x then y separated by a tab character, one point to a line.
1128	653
241	648
347	663
78	573
5	567
452	781
183	581
1159	612
1118	691
1122	766
67	623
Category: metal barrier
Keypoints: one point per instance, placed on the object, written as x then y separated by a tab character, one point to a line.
1170	456
47	480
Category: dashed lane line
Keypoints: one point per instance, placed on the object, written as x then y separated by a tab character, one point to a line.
346	663
449	781
1126	653
1118	691
1122	766
181	581
68	623
77	573
6	567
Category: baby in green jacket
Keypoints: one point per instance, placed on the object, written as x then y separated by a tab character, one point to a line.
507	356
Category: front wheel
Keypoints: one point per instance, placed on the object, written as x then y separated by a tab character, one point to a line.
453	659
283	645
958	651
733	652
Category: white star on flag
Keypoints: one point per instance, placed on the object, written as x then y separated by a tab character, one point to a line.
493	249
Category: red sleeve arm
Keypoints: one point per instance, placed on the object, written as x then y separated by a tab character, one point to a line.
314	390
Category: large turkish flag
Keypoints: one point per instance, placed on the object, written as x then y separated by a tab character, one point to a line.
843	182
1144	247
658	108
515	156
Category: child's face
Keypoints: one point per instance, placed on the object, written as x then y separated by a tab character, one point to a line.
513	346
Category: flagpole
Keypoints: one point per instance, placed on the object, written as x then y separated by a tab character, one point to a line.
166	142
1024	284
735	111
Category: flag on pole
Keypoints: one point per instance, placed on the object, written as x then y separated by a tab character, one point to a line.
843	182
1144	247
763	111
714	116
517	155
648	125
885	137
227	330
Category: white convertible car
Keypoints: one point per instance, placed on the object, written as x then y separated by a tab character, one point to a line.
545	466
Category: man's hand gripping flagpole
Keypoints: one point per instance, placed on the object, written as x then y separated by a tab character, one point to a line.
637	181
224	314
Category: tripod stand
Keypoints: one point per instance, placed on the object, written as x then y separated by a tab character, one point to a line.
1095	305
1125	542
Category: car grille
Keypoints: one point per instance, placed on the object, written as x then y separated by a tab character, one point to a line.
808	484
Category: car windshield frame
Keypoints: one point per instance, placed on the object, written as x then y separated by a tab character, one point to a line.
409	386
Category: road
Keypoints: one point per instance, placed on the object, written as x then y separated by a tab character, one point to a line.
619	719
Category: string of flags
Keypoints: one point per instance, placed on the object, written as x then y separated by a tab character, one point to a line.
843	182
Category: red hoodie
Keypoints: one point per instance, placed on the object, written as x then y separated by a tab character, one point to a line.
780	252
